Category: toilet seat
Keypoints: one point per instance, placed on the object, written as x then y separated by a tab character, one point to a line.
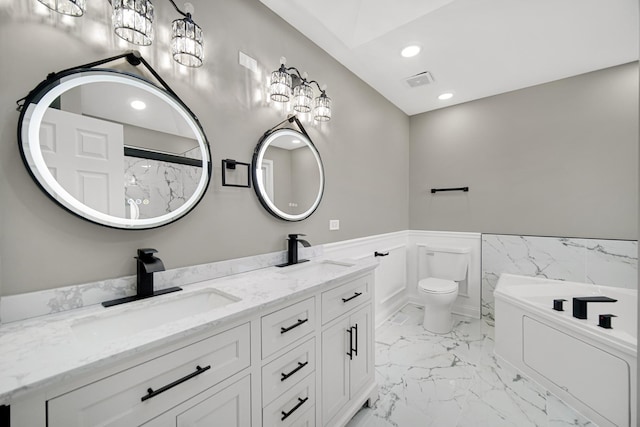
433	285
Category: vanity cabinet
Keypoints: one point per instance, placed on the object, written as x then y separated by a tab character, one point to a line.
303	362
137	394
347	348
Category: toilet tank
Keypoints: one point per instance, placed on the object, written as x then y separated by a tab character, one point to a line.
447	263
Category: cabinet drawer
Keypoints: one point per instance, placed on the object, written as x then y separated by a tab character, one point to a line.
288	409
308	419
287	325
338	301
162	382
281	374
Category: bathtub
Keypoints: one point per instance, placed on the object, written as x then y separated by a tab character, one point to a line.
590	368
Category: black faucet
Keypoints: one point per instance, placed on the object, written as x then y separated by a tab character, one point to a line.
292	250
580	305
147	264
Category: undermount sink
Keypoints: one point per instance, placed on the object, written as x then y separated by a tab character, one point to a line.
132	320
315	269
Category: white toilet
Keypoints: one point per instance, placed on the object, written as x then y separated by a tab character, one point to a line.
445	268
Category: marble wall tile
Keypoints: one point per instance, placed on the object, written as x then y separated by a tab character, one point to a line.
598	261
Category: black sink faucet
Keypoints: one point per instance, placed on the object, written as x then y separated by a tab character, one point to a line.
146	265
580	305
292	250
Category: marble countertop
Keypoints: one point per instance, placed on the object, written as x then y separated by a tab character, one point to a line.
45	350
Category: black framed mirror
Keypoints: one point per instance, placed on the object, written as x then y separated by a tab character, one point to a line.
114	148
287	174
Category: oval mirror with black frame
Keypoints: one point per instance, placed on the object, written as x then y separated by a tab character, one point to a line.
287	174
114	148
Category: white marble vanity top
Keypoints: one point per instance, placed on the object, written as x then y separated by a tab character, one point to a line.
42	351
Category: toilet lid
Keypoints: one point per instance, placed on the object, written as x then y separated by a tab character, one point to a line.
437	286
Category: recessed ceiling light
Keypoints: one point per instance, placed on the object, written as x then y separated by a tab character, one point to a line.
445	96
410	51
138	105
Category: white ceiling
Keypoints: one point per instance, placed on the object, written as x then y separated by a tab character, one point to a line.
473	48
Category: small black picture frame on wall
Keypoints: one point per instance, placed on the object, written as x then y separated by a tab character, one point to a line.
236	174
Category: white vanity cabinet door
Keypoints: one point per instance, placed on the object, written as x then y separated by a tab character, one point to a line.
287	370
339	300
287	325
117	400
230	407
347	361
287	410
335	368
362	365
226	407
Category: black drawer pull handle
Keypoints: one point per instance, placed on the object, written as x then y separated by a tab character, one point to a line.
376	253
350	352
355	350
151	393
300	322
285	415
357	294
300	366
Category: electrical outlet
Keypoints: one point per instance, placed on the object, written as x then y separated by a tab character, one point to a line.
334	224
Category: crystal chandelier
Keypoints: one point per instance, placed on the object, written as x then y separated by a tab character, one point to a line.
287	82
133	21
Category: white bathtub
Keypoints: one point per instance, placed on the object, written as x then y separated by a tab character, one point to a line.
590	368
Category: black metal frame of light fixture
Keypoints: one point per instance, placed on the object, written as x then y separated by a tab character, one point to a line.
297	79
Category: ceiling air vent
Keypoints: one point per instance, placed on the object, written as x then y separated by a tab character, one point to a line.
420	79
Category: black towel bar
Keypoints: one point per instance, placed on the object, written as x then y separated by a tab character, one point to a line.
435	190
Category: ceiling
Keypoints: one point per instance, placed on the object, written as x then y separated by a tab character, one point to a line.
472	48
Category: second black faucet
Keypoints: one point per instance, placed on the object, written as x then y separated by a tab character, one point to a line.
292	250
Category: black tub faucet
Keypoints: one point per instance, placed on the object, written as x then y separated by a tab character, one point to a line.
580	305
147	264
292	250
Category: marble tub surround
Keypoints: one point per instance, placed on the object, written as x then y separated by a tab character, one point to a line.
453	380
23	367
596	261
23	306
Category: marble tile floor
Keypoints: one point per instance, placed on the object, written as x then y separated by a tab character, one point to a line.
453	380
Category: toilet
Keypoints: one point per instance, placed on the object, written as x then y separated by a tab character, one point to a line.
445	268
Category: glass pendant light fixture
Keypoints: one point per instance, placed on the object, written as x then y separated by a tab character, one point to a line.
66	7
280	86
186	39
133	21
322	110
284	78
302	96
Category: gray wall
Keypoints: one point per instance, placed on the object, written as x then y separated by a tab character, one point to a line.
558	159
43	246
